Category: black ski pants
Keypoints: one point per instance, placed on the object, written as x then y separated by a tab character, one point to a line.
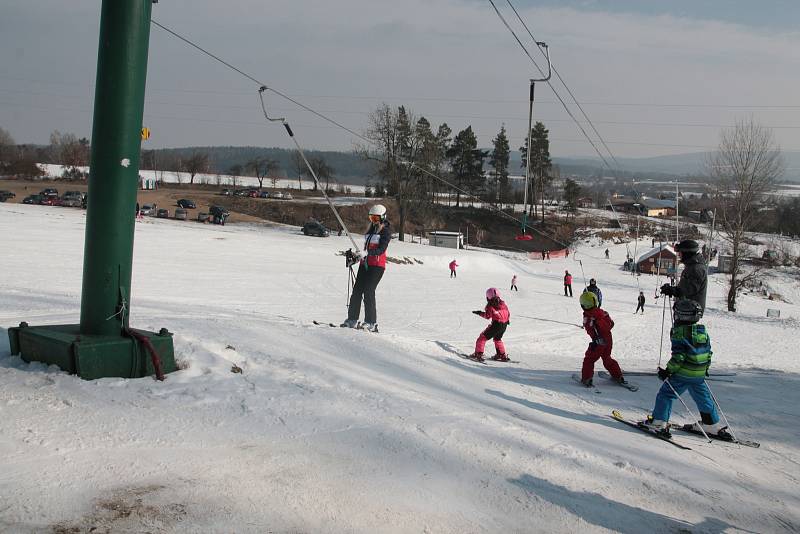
367	280
567	287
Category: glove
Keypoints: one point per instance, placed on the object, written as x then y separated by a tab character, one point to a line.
477	312
663	374
667	290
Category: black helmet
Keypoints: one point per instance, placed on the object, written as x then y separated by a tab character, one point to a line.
687	245
687	311
592	282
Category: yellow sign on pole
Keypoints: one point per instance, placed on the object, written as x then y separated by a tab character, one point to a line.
145	134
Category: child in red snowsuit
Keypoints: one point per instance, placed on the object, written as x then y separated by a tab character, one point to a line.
598	325
497	311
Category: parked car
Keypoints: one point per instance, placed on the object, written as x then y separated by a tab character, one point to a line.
219	214
148	209
180	214
277	194
71	202
240	193
203	217
252	193
185	203
162	213
226	192
263	194
49	192
32	199
49	201
315	228
5	195
287	196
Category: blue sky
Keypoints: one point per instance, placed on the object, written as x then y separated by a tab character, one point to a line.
656	78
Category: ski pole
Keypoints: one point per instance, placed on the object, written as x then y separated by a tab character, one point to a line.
661	346
691	414
730	429
583	273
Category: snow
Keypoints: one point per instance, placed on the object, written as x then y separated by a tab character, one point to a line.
338	430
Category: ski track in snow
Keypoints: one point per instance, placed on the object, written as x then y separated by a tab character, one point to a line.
339	430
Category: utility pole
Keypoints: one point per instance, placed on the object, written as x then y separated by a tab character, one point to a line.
543	45
103	344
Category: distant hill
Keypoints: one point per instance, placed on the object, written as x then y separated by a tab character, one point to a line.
351	168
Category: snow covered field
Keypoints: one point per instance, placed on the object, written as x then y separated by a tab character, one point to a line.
335	430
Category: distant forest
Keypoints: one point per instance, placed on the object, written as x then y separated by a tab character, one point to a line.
347	166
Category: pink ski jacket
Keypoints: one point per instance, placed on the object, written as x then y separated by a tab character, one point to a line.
497	313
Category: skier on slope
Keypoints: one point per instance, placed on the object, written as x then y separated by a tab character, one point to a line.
596	290
640	305
453	266
598	325
694	281
687	369
514	283
370	270
568	283
497	311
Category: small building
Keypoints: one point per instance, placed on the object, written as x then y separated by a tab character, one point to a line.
724	263
445	239
585	202
147	183
661	259
653	207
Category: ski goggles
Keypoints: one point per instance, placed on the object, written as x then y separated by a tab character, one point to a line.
375	218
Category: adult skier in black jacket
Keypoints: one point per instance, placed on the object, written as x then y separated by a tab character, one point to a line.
694	280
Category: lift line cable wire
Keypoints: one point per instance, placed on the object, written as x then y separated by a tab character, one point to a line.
358	135
564	83
564	104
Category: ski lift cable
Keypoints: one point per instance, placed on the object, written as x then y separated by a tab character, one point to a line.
558	96
289	131
349	130
564	83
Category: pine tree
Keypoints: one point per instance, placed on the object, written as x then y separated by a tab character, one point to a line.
540	162
466	162
499	161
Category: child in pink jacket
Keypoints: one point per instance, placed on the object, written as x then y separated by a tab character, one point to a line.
497	311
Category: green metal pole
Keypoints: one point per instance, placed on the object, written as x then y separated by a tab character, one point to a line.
113	179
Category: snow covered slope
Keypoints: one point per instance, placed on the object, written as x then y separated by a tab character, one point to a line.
337	430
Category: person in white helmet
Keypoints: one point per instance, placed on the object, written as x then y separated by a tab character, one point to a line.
370	271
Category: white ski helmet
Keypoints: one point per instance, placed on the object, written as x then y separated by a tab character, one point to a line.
379	210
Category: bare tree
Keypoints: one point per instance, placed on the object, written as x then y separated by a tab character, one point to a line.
7	145
261	167
195	164
300	167
747	164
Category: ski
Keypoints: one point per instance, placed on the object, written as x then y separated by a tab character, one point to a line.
629	385
318	323
688	429
577	378
653	373
469	357
618	417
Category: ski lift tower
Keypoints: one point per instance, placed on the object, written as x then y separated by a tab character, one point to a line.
103	344
542	45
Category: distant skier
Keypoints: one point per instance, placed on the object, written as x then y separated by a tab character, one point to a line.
497	311
370	270
598	325
596	290
687	369
693	282
453	266
607	254
567	283
514	283
640	305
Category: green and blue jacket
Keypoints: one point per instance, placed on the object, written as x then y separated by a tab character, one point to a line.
691	351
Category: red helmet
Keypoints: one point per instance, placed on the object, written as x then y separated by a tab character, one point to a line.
492	293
